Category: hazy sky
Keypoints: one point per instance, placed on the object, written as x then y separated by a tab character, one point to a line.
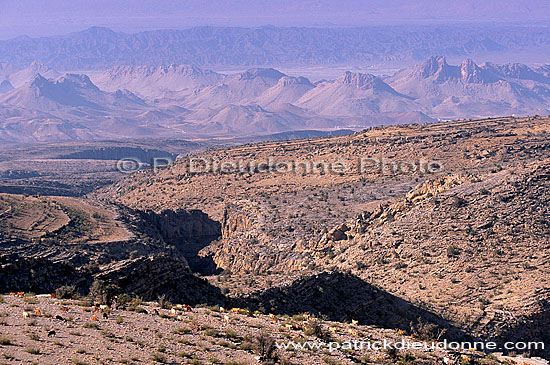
49	17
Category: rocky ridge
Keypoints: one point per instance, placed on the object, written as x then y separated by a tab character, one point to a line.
462	241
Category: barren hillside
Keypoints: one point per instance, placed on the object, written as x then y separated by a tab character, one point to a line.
453	220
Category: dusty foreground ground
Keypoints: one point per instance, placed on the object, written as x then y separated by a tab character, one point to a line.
67	332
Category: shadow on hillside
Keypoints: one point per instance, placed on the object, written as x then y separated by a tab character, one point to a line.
35	274
342	297
189	231
148	277
161	276
533	328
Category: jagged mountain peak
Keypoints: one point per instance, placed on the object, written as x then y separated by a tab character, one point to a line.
437	68
37	66
517	71
68	82
363	81
290	81
77	80
70	90
432	65
129	96
269	73
468	63
472	73
39	81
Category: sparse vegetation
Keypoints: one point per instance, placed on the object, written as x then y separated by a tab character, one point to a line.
264	346
92	325
317	243
103	292
160	358
66	292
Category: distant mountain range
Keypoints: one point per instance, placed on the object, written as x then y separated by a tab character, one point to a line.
469	90
183	101
101	48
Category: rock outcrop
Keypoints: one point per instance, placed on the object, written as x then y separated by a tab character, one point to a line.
188	231
149	263
160	275
35	274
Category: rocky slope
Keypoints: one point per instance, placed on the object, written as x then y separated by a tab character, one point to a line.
65	332
475	245
448	216
46	243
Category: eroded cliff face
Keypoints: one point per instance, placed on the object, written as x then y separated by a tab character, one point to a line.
183	225
248	245
188	231
235	221
388	212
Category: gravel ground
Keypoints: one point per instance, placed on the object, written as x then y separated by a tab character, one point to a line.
67	332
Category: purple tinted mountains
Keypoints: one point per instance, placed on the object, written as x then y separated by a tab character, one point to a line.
101	48
183	101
